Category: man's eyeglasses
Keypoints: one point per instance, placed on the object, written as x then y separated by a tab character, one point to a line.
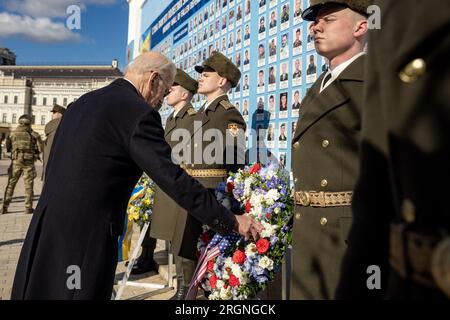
167	91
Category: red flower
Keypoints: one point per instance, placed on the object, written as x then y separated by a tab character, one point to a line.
210	265
234	281
268	216
225	286
262	245
213	281
239	257
248	206
230	187
255	168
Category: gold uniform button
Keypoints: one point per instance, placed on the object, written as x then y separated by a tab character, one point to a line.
295	180
195	145
324	183
413	71
408	211
296	145
298	216
323	222
325	143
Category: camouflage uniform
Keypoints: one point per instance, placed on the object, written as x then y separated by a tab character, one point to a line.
25	146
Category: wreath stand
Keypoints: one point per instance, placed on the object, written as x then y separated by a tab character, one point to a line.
160	288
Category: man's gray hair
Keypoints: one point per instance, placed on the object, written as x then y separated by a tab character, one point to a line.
152	61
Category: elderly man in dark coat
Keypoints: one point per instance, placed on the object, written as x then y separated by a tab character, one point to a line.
107	138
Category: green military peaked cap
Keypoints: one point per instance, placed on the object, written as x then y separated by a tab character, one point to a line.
58	108
217	62
184	80
310	13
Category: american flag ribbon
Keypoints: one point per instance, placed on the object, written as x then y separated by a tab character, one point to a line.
219	244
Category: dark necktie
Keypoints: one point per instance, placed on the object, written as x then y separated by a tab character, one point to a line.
325	81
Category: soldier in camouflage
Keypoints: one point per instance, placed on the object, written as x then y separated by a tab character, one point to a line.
25	146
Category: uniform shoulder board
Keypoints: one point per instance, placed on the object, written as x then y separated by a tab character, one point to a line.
191	111
226	104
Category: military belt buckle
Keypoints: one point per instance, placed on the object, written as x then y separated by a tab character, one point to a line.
304	198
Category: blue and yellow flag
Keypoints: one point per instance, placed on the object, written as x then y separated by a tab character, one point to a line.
125	239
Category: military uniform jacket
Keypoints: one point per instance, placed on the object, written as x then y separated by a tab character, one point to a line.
405	151
103	144
24	144
165	210
220	115
50	130
325	158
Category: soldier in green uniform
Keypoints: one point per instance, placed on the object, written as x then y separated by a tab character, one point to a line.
25	146
325	149
401	230
221	119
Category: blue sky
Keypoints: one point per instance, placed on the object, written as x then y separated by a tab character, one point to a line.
36	31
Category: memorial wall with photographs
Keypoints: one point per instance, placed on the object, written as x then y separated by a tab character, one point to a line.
267	40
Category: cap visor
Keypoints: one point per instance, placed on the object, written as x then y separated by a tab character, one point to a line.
310	14
199	69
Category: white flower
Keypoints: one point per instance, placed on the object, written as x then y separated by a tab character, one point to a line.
251	250
269	174
277	210
228	262
214	296
240	274
225	276
226	294
269	229
219	284
273	195
266	263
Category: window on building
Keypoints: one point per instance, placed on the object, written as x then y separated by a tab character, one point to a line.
33	119
4	118
34	101
65	102
44	101
16	99
55	100
5	100
42	120
14	118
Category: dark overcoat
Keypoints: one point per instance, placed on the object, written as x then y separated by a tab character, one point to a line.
102	146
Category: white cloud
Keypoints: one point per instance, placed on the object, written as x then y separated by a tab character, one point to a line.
37	29
49	8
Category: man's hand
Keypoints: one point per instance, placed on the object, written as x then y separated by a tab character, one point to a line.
247	226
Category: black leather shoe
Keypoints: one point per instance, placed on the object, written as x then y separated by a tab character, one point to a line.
143	267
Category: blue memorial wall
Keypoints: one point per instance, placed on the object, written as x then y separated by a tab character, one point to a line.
267	40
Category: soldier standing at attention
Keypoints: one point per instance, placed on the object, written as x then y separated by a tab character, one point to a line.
218	76
325	148
25	146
